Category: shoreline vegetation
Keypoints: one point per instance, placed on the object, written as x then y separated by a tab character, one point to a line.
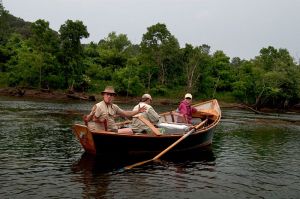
55	63
56	95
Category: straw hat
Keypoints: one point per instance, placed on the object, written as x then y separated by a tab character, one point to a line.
109	89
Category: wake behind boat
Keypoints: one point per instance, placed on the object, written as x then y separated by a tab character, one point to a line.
172	126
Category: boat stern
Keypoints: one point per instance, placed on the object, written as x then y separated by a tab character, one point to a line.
85	138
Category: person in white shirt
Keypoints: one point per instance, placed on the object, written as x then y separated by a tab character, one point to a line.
137	125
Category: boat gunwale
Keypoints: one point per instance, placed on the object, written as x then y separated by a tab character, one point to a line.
149	135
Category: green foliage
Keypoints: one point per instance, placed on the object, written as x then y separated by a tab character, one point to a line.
225	96
43	38
72	60
114	51
244	82
160	49
4	25
222	71
97	72
33	55
268	80
54	81
10	24
127	81
118	42
195	65
159	90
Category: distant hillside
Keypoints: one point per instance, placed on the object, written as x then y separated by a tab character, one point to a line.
11	24
19	25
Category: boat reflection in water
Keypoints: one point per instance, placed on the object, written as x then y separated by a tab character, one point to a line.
100	177
91	165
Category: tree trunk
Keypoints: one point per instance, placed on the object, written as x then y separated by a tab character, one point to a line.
216	86
258	98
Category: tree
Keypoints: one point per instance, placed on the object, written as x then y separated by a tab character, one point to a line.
4	35
4	25
196	60
43	37
23	65
45	42
159	47
244	82
113	50
221	71
127	81
72	51
275	78
113	41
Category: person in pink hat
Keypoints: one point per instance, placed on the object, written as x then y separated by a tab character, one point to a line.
186	109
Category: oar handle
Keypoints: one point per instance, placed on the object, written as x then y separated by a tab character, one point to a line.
201	124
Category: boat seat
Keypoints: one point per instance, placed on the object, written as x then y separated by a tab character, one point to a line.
178	117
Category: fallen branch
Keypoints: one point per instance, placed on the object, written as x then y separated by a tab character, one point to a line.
243	106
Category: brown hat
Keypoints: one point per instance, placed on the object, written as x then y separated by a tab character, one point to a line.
109	89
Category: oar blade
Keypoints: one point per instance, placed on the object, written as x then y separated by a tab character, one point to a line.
137	164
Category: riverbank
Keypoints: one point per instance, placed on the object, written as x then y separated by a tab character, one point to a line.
65	96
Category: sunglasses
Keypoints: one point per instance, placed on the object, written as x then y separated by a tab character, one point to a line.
188	98
110	94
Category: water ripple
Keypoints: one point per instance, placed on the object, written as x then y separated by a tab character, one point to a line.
252	156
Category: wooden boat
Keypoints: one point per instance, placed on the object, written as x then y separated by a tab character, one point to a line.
101	142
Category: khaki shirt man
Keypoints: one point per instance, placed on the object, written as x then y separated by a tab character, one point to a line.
137	125
104	112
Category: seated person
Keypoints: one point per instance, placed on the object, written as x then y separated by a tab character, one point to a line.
137	125
103	113
186	109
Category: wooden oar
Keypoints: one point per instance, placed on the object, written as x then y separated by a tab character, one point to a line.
149	124
169	148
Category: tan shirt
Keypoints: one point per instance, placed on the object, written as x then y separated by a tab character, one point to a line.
149	114
108	112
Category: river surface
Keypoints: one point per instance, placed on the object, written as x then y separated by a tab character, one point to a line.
252	156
